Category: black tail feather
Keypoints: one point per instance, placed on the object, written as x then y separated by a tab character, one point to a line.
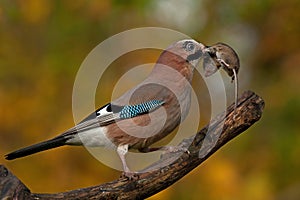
49	144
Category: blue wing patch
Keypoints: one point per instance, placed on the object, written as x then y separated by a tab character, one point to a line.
109	113
130	111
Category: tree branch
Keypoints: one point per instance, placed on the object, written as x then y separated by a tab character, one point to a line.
170	168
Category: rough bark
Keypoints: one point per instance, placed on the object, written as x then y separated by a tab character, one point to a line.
170	168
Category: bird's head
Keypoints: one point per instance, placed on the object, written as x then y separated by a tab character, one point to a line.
189	50
183	56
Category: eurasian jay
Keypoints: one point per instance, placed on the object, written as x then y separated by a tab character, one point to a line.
143	115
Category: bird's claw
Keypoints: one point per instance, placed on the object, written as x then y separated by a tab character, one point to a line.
130	175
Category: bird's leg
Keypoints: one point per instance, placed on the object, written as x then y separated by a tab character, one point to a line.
122	150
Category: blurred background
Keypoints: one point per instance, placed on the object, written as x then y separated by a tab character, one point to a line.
44	42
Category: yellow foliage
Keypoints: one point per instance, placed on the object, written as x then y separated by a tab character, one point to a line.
35	11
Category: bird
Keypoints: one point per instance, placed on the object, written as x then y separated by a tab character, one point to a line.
221	55
141	116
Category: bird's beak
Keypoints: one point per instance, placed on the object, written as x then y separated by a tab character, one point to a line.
207	49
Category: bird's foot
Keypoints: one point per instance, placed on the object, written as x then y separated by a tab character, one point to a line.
130	175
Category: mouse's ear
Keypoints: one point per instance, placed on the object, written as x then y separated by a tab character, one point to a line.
210	66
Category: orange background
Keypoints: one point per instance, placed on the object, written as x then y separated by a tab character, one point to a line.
43	43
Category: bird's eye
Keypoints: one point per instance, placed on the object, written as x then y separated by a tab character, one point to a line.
189	46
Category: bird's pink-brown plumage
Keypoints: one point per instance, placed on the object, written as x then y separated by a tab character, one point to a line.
170	82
